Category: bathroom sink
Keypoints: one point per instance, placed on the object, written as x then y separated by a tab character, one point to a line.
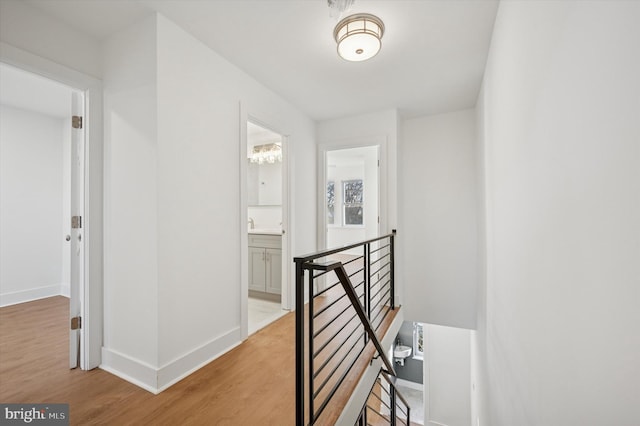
401	351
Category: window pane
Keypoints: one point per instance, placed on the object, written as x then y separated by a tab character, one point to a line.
353	215
418	340
353	192
331	199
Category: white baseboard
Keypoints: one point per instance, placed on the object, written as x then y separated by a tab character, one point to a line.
183	366
65	290
29	295
132	370
156	380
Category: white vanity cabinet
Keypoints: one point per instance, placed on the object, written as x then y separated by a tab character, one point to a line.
265	263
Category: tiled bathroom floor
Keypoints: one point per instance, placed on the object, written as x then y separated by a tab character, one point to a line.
415	399
263	313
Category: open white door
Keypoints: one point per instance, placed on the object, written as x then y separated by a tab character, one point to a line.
77	216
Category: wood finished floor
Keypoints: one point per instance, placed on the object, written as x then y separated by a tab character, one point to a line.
251	385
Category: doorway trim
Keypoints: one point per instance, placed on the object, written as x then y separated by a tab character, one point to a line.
91	304
271	123
379	141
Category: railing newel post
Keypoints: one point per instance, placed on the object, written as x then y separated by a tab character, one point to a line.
366	289
392	267
392	396
299	343
311	296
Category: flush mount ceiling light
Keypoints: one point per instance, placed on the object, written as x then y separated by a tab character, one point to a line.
359	37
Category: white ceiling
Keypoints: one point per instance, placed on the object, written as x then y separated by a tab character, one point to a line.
432	58
257	135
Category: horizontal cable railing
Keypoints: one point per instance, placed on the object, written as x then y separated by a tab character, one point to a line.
350	292
385	405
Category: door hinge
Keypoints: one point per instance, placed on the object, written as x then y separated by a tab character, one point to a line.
76	222
76	122
76	323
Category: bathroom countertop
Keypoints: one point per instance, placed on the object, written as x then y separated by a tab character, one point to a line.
266	231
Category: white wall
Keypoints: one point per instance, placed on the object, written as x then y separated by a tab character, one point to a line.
438	208
199	171
173	204
131	201
31	206
558	340
265	217
447	376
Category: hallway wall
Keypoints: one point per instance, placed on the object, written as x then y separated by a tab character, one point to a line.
438	251
559	121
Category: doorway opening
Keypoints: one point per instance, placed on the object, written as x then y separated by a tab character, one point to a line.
266	243
42	179
352	195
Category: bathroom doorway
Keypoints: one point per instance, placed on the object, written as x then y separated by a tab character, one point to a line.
266	242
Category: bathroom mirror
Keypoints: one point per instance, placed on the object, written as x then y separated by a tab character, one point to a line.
264	183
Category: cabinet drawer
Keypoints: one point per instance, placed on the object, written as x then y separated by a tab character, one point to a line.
266	241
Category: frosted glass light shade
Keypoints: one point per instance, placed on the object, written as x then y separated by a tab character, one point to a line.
359	37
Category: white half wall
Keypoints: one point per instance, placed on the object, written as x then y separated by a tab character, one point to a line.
558	340
31	206
438	210
447	375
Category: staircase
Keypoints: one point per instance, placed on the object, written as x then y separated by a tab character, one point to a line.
346	319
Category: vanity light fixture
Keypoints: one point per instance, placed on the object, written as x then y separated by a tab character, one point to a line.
268	153
359	36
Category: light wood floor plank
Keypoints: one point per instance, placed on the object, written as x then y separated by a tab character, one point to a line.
251	385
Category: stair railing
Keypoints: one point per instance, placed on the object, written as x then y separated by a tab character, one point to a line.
385	405
340	318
